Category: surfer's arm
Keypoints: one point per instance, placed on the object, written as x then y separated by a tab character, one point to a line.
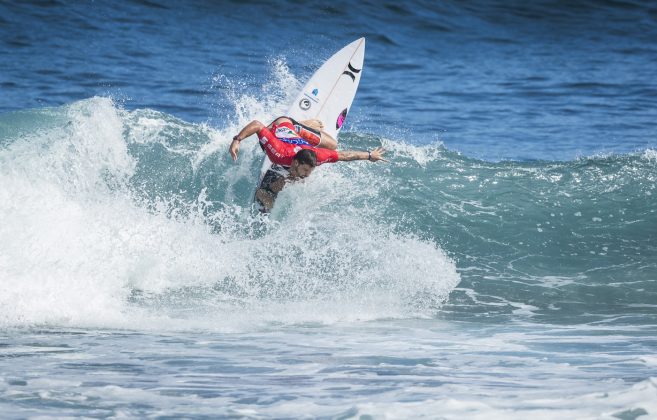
328	142
313	132
373	156
248	130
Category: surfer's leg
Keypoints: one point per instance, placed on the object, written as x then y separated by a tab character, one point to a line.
328	142
314	134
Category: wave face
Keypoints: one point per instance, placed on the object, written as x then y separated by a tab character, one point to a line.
114	216
563	241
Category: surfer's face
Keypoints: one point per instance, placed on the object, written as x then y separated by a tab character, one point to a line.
300	170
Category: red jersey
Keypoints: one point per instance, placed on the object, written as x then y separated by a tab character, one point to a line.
282	153
296	133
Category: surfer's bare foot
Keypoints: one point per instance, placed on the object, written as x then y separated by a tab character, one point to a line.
314	123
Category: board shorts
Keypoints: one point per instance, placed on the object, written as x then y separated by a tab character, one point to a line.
273	174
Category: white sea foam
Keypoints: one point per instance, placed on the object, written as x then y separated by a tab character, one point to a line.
650	154
420	154
637	400
81	247
382	369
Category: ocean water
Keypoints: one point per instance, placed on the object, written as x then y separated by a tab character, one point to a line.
502	265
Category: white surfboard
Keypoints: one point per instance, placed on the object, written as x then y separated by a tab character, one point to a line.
329	93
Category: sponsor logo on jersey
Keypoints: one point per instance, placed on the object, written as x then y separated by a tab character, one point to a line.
285	133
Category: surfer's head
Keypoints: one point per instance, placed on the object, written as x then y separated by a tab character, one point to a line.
303	164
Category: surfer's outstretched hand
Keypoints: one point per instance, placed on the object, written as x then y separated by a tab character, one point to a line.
377	154
234	148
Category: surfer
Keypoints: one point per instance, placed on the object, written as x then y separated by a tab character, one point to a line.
295	150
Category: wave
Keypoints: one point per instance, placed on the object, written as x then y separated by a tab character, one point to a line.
116	217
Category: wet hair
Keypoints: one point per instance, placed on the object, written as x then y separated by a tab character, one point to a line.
306	157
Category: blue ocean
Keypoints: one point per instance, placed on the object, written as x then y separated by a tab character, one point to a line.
502	265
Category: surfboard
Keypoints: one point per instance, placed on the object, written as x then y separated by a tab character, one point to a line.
328	94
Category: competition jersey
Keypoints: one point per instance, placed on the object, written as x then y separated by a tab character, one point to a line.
296	133
281	147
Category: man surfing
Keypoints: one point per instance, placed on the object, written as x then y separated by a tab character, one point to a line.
295	149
